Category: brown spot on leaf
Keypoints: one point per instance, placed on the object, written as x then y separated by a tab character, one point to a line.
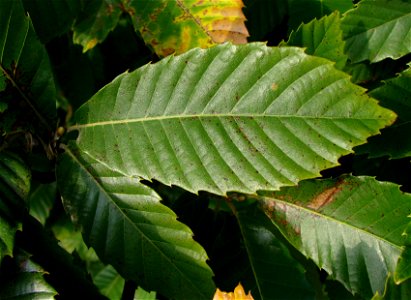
326	197
274	86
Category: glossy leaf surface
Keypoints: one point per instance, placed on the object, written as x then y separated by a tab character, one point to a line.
351	227
229	118
177	26
124	221
378	29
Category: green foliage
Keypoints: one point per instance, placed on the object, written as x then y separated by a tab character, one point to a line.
126	175
377	29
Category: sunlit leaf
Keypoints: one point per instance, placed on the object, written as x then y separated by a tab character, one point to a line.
229	118
377	29
321	38
350	227
177	26
124	221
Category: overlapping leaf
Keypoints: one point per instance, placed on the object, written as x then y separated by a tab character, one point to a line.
41	201
321	38
177	26
24	62
124	221
303	11
378	29
351	227
98	18
52	18
403	271
14	185
274	270
394	141
25	281
229	118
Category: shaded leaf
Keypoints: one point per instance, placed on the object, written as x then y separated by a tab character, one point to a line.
177	26
109	282
394	141
263	17
303	11
275	271
394	291
24	280
142	294
377	29
52	18
41	201
95	22
229	118
24	62
124	221
350	227
321	38
403	271
15	180
7	233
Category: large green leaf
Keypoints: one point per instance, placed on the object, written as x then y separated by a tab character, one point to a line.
25	64
377	29
229	118
351	227
274	270
124	221
303	11
321	38
394	141
177	26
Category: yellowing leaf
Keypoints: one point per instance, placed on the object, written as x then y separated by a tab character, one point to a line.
238	294
177	26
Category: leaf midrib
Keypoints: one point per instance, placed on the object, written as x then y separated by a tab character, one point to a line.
200	116
126	217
